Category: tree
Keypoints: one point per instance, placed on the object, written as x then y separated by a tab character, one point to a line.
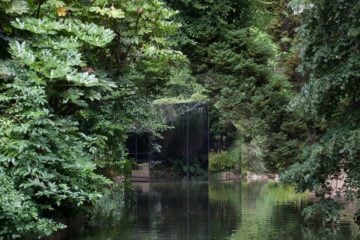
237	61
140	61
329	101
74	77
43	154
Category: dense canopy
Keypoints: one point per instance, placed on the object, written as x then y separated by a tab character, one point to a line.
281	79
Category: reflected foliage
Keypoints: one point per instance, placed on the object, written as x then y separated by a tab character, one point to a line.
217	210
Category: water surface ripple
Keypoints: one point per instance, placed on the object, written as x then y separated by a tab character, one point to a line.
199	211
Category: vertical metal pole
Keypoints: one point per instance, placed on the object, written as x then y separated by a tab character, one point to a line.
187	145
149	209
187	172
208	137
208	209
188	211
136	147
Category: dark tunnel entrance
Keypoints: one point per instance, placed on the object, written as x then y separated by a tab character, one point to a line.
183	149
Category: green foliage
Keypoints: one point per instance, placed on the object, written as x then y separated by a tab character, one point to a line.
335	152
326	211
109	209
73	80
229	160
220	161
19	216
194	169
332	66
182	88
141	62
76	76
329	101
42	150
238	63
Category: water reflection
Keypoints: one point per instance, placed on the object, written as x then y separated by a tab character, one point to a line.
196	211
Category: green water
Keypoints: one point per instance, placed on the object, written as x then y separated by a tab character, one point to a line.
192	211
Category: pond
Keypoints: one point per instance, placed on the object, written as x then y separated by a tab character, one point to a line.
195	211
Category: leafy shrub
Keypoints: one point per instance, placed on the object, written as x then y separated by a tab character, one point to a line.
221	161
194	168
68	94
329	101
19	217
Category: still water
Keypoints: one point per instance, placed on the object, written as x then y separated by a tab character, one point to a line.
196	211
